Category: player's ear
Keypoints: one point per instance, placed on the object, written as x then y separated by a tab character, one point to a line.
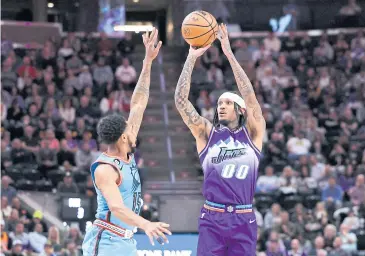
124	138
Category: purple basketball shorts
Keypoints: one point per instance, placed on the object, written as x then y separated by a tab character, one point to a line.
227	234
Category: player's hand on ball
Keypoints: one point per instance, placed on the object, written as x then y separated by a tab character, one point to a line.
150	41
223	37
157	230
197	52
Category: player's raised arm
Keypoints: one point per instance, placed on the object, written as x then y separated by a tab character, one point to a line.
199	126
255	121
142	91
105	179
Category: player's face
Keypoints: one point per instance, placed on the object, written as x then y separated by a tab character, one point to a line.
226	111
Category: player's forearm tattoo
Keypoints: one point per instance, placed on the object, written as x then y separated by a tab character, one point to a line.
245	87
142	91
190	116
139	100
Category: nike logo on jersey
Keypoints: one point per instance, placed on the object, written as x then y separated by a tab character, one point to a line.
252	221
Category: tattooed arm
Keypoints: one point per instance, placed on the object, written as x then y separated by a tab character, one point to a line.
255	120
141	92
199	126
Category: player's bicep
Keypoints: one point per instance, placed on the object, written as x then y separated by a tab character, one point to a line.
106	179
196	123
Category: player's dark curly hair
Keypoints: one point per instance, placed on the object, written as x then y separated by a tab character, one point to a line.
110	128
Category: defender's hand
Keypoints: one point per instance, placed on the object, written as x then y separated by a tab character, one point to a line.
223	37
149	41
156	230
197	52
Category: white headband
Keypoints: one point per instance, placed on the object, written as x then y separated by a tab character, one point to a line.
233	97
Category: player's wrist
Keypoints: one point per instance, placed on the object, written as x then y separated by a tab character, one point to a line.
147	61
143	225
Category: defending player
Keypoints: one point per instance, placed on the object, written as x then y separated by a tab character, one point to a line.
116	177
229	151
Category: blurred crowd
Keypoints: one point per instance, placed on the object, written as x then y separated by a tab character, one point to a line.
312	94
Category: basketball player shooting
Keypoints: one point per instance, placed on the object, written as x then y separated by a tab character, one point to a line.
116	179
229	151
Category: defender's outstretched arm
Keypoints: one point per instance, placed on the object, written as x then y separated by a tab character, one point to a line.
142	91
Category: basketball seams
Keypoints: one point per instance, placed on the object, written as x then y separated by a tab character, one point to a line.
201	34
197	28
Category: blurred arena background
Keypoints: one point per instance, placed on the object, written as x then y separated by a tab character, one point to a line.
65	64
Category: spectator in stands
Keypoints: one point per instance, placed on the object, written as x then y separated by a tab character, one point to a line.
349	239
104	44
23	213
7	190
87	138
267	183
318	246
19	234
71	142
65	154
67	185
211	56
67	111
337	250
333	193
66	50
83	157
296	249
37	219
242	52
125	45
272	43
85	77
27	69
5	207
287	229
36	239
208	111
149	209
74	236
86	111
103	75
13	220
357	192
330	232
18	154
272	218
17	248
9	77
273	248
54	238
214	74
47	158
347	179
74	64
72	81
352	221
126	75
298	146
71	250
48	250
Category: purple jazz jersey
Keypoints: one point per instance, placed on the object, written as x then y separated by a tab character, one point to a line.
230	163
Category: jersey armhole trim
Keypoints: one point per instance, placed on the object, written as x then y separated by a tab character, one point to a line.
119	182
209	139
250	141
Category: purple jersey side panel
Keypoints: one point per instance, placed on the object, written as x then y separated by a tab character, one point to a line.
230	162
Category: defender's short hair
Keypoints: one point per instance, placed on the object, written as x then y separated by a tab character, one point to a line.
110	128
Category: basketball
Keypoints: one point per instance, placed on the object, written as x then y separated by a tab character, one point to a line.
199	29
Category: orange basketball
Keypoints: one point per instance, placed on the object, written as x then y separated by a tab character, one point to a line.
199	29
